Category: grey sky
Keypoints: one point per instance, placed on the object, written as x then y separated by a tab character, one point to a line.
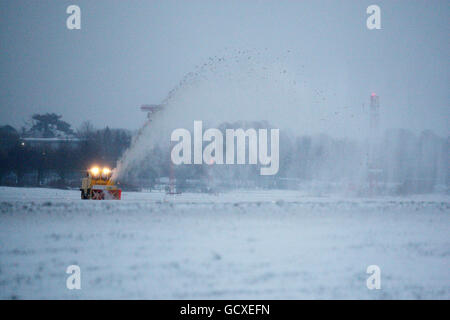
133	52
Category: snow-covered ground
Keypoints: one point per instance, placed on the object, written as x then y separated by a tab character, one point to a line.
240	245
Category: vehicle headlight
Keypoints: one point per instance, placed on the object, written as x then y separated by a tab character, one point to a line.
105	173
95	171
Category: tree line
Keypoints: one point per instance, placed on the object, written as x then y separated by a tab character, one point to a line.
47	151
405	162
402	162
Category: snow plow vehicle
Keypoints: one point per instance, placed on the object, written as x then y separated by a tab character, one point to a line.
98	185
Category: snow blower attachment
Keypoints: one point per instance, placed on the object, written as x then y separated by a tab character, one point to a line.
97	185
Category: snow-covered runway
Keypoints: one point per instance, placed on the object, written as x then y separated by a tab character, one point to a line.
255	245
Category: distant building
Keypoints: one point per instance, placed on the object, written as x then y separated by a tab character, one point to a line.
50	143
374	171
151	109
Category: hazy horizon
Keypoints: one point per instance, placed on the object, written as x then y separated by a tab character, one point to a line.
129	54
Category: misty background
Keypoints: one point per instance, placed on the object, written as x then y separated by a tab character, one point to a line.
306	67
130	53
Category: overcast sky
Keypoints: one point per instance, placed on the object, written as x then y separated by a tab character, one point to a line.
132	52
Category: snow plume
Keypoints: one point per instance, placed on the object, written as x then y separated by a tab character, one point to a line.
243	85
324	141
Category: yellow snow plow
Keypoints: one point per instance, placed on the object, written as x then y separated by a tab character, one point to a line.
98	185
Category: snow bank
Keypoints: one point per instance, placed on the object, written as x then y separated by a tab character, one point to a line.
252	245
